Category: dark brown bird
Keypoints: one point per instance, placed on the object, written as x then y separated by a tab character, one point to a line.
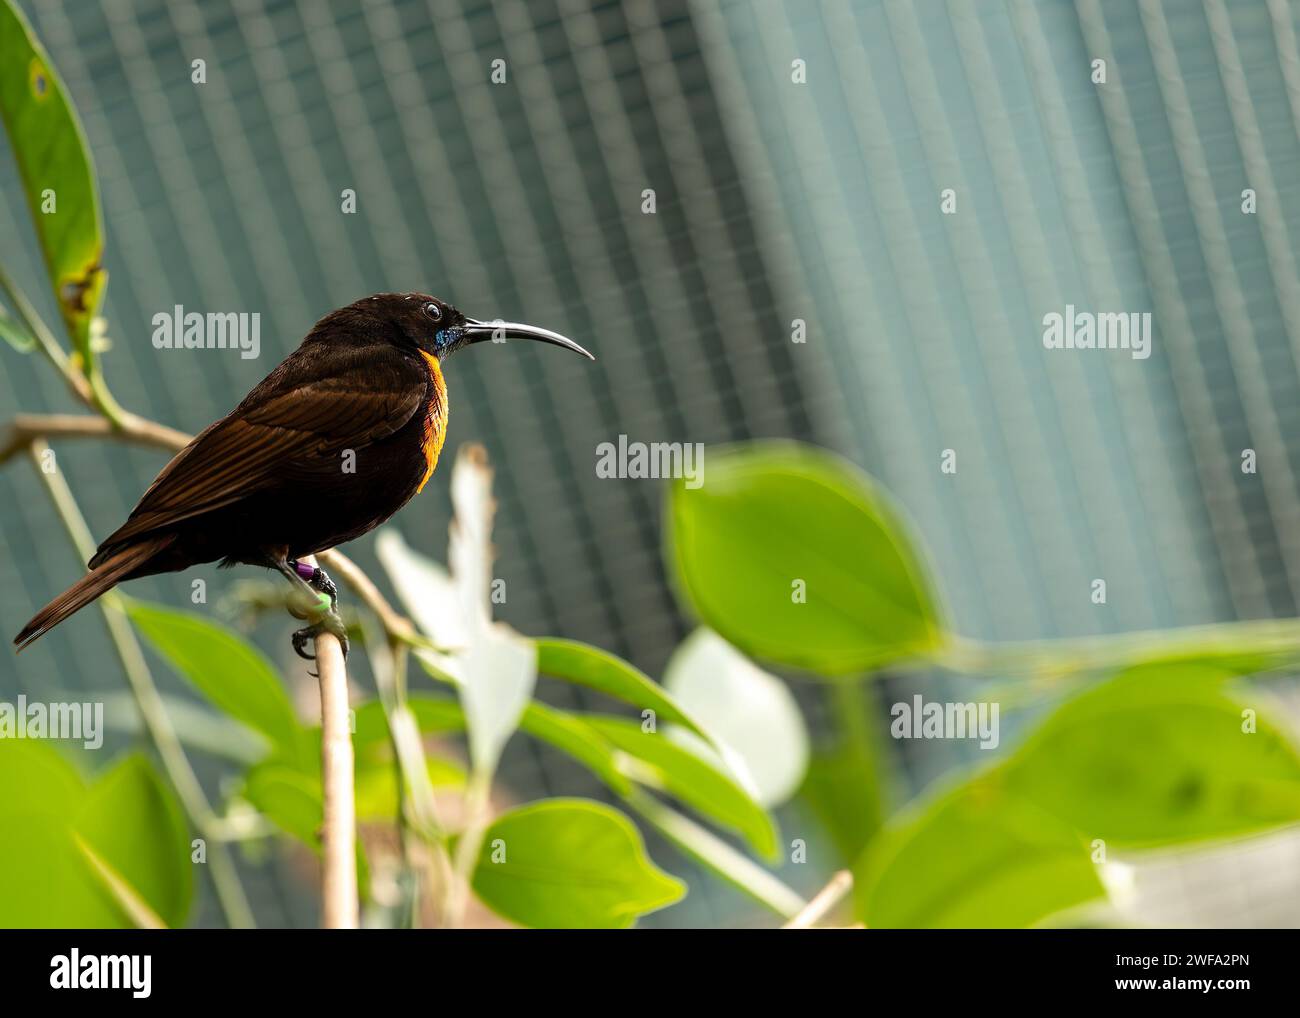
328	446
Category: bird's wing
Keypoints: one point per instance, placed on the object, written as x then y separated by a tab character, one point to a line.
296	423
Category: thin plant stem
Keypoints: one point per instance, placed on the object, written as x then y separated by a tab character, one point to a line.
823	902
711	851
339	901
478	793
417	809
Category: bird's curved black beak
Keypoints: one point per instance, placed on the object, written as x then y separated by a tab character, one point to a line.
500	332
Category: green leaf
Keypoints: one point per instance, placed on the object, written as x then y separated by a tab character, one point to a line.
672	768
40	794
134	824
797	557
1159	756
288	798
975	857
574	736
52	156
15	333
596	669
228	670
54	825
570	863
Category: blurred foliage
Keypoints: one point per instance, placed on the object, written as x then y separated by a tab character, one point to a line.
51	815
789	555
796	559
570	863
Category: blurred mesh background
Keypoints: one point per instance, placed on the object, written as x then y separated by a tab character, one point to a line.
776	201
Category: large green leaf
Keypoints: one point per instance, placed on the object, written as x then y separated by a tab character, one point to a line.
596	669
232	673
672	768
1158	756
52	156
797	557
975	857
569	863
47	881
56	828
134	824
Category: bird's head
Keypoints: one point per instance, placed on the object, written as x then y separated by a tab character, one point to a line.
434	327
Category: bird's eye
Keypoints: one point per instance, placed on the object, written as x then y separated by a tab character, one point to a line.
433	312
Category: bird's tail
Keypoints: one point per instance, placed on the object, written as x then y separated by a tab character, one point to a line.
107	574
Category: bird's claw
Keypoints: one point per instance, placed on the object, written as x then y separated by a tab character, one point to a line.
331	622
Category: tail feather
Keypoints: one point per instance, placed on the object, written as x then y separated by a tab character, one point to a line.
109	571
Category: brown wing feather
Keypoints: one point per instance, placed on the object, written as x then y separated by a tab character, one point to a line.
294	424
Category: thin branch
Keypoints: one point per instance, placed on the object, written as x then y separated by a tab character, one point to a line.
23	429
707	848
823	902
339	838
157	723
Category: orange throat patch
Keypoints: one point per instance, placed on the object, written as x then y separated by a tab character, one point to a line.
435	420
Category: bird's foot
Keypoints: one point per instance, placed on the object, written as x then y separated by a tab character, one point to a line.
330	622
324	609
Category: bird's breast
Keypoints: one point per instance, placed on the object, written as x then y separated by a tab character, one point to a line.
435	419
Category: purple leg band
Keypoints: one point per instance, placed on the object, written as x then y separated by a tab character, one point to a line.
304	570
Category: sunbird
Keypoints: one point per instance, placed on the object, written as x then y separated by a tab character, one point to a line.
329	445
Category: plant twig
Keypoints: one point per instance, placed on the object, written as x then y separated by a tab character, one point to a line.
823	902
339	838
157	723
707	848
22	429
